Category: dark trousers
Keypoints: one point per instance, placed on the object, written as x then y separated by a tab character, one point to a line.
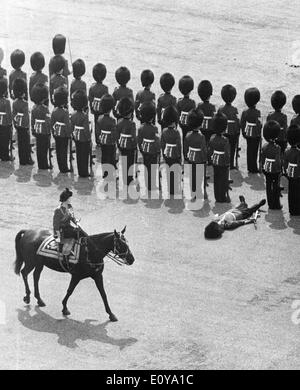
96	116
150	162
82	157
233	144
61	146
246	212
5	134
128	157
221	177
24	148
273	190
252	152
173	186
184	130
42	150
294	196
108	156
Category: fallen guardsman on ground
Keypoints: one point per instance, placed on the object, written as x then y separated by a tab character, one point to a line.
231	219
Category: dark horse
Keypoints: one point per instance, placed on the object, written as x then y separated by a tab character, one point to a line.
90	263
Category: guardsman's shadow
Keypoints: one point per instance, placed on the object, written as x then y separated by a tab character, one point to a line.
276	219
68	330
175	206
6	169
294	223
204	211
256	181
84	185
23	173
237	178
221	208
43	178
63	180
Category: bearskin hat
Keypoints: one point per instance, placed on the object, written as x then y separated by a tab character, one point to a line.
59	44
39	93
167	82
58	63
271	130
219	123
125	107
99	72
228	93
60	96
147	77
19	87
37	61
147	112
213	230
1	55
205	90
296	104
79	100
78	68
107	103
186	85
3	87
252	96
17	59
65	195
195	118
122	75
170	115
278	100
293	135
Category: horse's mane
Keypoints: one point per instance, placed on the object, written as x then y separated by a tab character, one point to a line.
100	235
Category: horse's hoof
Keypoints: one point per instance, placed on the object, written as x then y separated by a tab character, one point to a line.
113	318
26	300
41	303
66	312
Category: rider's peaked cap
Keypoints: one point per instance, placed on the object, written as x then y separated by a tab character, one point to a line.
65	195
99	72
37	61
195	119
186	84
125	106
170	115
17	59
219	123
205	90
278	100
167	82
271	130
59	44
107	103
147	77
228	93
19	87
122	75
78	68
147	112
252	96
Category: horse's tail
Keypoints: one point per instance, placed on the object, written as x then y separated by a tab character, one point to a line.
19	258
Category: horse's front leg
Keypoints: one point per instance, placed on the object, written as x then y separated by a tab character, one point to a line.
99	283
73	283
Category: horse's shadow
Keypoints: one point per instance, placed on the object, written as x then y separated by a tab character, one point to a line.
68	330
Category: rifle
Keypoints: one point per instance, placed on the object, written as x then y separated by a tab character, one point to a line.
11	145
205	183
255	218
260	146
159	174
91	158
237	153
50	150
71	152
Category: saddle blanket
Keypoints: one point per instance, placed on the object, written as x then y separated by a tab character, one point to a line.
49	248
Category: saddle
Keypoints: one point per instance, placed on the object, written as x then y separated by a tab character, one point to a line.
50	248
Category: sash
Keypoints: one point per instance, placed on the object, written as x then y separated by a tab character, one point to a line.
193	153
147	145
218	158
269	165
2	117
291	170
57	128
183	117
19	119
96	104
77	132
251	130
230	129
39	126
205	123
124	141
170	150
105	137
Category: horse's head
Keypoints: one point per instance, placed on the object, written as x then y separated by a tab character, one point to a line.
121	247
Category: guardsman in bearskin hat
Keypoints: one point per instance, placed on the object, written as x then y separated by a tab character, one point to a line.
149	144
239	216
171	148
122	76
81	132
126	136
185	104
251	127
37	62
271	164
166	99
61	128
40	124
195	152
219	150
59	46
5	121
96	91
3	72
57	79
228	94
296	107
106	134
205	91
17	59
292	169
78	72
145	95
278	100
21	121
64	232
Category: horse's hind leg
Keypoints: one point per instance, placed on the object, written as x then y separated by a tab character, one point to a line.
99	283
25	271
36	277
